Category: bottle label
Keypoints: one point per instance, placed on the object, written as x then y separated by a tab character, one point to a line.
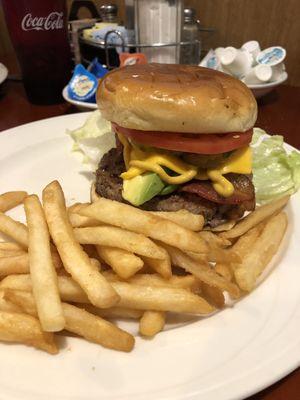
53	21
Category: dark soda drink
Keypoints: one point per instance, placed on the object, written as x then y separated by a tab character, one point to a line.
38	30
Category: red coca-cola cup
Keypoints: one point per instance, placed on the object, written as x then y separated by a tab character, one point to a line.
38	30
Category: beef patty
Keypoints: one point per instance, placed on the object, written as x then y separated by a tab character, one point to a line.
109	185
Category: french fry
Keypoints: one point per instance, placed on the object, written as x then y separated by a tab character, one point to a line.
14	265
124	263
116	237
189	282
216	255
254	218
10	200
79	221
246	241
139	221
162	267
22	328
11	246
214	240
69	290
81	322
42	271
23	300
202	271
74	208
8	249
261	252
161	299
213	295
132	296
218	249
152	322
113	312
11	253
96	263
96	329
14	229
186	219
6	305
224	270
19	264
226	226
75	260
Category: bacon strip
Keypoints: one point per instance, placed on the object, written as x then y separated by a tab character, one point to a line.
243	190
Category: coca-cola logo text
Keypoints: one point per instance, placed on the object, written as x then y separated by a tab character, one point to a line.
51	22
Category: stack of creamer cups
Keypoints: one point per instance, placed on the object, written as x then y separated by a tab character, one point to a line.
249	63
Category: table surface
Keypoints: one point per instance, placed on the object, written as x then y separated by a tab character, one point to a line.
278	112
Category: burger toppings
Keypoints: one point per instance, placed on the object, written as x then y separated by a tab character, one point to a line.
243	190
109	184
173	170
188	143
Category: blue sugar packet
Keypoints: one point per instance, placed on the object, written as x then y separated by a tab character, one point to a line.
83	85
97	69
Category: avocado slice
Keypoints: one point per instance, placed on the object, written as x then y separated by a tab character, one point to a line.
142	188
168	189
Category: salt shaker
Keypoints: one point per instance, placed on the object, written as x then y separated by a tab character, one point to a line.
190	53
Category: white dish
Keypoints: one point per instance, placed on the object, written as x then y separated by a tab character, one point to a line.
81	105
3	73
230	355
260	90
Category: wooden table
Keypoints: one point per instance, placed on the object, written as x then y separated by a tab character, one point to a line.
279	112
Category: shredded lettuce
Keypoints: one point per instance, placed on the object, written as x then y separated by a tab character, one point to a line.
93	139
276	172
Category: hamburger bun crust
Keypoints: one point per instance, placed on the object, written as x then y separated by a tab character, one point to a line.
176	98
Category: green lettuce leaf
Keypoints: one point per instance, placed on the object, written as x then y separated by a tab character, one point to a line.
93	139
276	172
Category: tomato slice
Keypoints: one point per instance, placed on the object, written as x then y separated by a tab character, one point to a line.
189	143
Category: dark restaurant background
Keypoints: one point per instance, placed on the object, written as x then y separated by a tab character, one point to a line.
270	22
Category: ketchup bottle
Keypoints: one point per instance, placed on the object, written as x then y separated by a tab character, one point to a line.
38	30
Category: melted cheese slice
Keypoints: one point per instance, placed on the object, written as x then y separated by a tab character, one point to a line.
240	162
138	161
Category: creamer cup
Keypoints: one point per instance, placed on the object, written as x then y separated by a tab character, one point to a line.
210	60
259	74
219	51
83	85
277	72
271	56
236	62
252	46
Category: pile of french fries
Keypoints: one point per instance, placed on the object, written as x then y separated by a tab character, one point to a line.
80	268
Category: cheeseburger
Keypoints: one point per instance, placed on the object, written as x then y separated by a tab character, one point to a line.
183	135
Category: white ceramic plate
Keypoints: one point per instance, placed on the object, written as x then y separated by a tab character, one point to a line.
81	105
230	355
3	73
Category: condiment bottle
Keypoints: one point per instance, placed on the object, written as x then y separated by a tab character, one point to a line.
190	53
